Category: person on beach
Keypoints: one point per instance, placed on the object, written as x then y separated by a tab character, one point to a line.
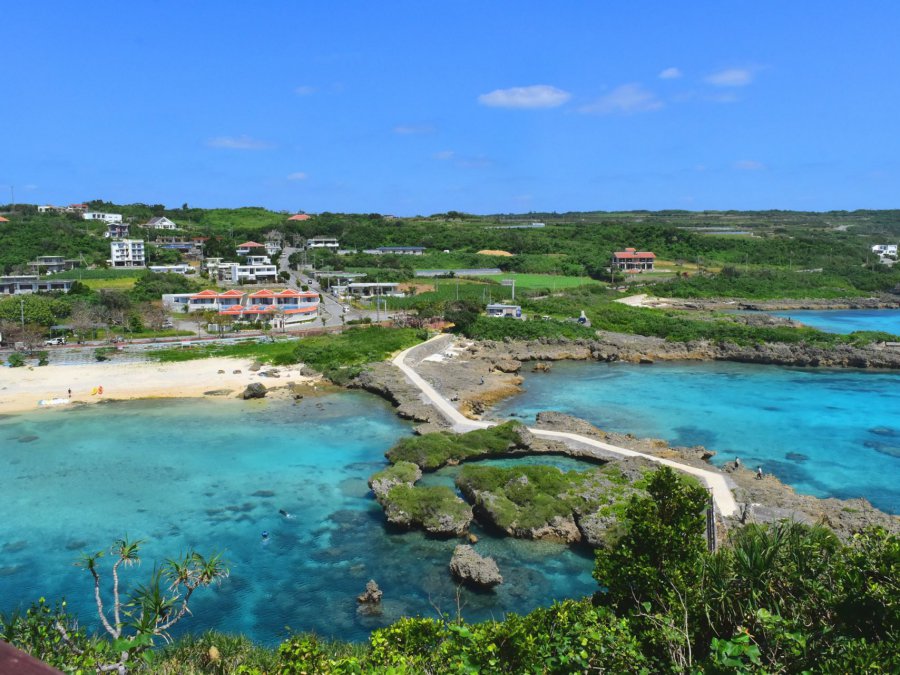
737	462
759	473
70	392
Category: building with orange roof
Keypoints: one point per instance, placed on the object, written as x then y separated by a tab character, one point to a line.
282	307
300	216
633	261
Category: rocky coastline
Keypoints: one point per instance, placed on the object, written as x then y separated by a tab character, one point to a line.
471	372
885	301
609	346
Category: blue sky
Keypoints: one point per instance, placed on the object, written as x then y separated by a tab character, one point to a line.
421	107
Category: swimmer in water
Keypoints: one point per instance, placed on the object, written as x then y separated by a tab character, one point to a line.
265	535
285	513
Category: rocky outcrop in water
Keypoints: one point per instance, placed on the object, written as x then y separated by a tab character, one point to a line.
401	473
471	568
372	595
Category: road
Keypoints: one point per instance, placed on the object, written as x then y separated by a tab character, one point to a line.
716	482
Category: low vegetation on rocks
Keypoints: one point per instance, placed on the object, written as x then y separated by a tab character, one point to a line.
432	451
435	509
543	502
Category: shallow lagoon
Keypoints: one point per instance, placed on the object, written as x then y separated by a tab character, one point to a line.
826	432
847	320
213	475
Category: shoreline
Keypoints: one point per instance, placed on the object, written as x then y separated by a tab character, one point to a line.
484	371
883	301
21	389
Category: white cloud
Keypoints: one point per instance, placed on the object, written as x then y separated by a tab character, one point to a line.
731	77
463	161
298	175
670	74
413	129
625	99
749	165
238	143
304	90
535	96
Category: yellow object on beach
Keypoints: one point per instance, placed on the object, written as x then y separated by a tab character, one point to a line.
94	391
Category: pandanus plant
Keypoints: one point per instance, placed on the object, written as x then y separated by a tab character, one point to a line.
153	608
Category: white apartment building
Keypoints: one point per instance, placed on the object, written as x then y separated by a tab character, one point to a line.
236	273
127	253
105	217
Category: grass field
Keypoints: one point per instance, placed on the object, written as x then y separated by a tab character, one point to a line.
535	281
119	284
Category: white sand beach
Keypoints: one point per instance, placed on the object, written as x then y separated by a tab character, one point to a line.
22	389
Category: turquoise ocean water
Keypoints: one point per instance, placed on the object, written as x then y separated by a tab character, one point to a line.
213	475
847	320
826	432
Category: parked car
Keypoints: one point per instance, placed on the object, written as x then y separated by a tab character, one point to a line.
55	341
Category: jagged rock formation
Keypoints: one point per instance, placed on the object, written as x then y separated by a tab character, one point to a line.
471	568
372	594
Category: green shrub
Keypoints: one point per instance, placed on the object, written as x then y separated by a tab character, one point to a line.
15	360
36	633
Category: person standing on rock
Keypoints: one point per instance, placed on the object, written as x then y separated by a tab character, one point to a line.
759	473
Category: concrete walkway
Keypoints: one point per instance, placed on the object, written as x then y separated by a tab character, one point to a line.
713	480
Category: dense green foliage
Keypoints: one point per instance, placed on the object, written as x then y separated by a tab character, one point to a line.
338	356
150	286
432	451
354	347
492	328
520	498
43	310
764	284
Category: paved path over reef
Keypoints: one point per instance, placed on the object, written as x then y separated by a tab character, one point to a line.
715	481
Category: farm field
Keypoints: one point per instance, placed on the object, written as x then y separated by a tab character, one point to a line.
535	281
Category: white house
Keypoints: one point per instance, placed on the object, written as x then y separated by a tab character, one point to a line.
127	253
249	273
117	230
248	247
885	249
105	217
30	283
180	268
258	260
160	223
505	311
48	264
369	289
323	242
396	250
